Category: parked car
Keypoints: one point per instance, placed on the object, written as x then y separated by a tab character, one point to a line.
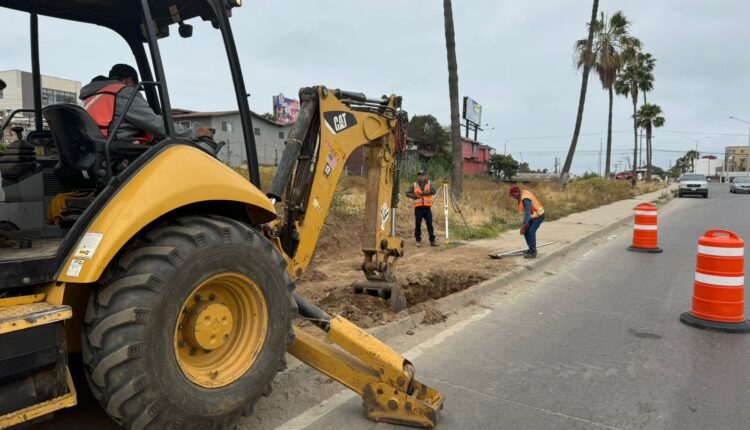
693	183
740	185
624	175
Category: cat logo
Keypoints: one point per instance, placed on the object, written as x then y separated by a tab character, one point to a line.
337	121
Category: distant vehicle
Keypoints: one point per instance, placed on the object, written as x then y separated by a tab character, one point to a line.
693	183
740	185
624	175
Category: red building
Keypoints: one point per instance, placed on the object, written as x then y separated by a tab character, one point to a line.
476	156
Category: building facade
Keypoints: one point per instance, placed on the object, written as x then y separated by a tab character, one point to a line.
476	157
269	136
709	165
19	94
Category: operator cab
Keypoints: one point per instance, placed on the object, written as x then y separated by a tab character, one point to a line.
59	162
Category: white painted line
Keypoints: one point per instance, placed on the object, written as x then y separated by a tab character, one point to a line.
722	281
644	227
317	412
721	252
647	213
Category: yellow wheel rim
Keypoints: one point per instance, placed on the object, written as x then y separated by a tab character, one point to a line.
221	330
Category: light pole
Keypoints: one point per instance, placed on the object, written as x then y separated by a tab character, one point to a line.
747	159
697	140
696	149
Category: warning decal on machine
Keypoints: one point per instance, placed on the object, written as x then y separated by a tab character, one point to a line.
383	216
75	268
87	246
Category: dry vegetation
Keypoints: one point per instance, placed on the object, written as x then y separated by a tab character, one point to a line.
486	206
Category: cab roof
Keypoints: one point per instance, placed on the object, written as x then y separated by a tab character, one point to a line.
119	14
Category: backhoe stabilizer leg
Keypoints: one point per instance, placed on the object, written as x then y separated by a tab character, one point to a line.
364	364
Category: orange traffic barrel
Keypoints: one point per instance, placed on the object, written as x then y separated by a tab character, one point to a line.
645	229
719	288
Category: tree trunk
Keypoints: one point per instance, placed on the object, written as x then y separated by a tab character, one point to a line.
635	140
645	100
609	135
581	99
648	153
456	150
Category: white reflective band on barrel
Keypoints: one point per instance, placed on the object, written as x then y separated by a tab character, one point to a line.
644	227
721	252
722	281
653	213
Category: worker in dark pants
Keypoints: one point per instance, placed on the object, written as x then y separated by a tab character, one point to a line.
421	192
533	216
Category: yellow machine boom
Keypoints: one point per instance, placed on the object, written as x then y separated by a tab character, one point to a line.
331	125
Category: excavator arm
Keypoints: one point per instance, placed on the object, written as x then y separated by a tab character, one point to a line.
383	378
331	125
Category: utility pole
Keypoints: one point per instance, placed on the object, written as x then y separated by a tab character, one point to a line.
640	152
505	147
600	156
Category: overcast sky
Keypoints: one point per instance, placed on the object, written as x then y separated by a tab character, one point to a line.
515	58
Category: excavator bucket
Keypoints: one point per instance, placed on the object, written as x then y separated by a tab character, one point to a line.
389	291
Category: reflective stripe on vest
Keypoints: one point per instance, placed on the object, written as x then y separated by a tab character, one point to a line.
101	106
537	209
421	199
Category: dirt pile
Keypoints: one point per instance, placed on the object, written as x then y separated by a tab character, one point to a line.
362	310
432	314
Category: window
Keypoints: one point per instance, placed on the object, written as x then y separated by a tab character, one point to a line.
51	96
185	124
227	126
281	135
256	131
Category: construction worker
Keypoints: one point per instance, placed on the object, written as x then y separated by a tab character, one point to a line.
105	98
533	216
421	192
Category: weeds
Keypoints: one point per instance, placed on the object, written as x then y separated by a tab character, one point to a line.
486	206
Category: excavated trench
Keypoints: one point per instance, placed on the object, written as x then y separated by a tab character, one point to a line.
421	291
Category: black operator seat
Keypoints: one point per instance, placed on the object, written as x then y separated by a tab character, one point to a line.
80	145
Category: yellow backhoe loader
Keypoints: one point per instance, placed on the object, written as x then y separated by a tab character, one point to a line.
170	272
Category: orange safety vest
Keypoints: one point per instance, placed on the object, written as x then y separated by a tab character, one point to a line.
422	200
537	209
101	107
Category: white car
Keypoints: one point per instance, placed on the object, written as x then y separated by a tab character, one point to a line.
740	185
693	183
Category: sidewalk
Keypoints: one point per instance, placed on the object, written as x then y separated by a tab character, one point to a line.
565	231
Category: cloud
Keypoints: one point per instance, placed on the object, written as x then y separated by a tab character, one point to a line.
515	58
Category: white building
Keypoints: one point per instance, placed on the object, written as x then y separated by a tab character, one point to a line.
709	166
19	94
269	136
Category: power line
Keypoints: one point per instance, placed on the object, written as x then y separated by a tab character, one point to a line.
568	136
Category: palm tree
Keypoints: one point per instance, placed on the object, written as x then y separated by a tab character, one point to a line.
627	85
646	62
648	118
611	42
456	150
588	62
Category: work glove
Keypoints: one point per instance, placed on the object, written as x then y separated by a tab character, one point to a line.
524	228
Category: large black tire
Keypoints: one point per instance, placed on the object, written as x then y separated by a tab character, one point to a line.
130	322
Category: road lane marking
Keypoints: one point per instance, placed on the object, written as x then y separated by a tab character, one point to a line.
323	408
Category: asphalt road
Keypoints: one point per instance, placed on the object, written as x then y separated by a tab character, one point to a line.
594	345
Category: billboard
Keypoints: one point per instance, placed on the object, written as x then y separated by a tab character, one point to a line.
472	111
285	110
